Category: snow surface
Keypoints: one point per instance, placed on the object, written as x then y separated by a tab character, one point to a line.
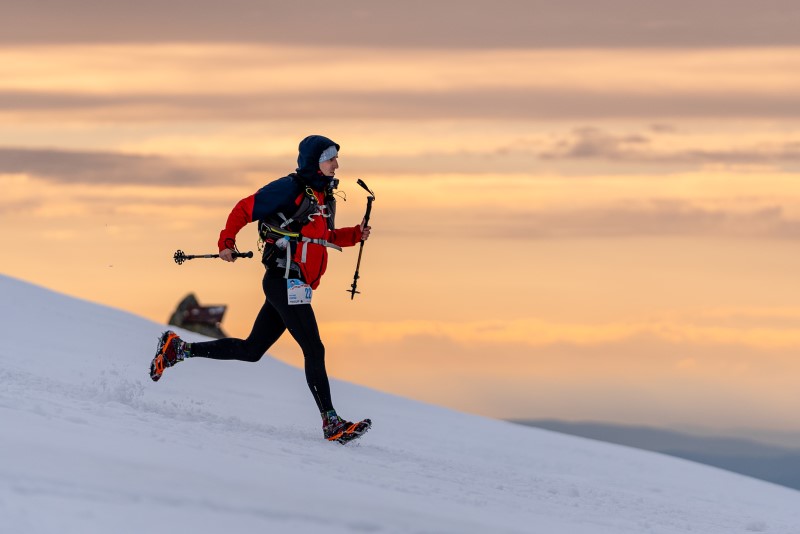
88	444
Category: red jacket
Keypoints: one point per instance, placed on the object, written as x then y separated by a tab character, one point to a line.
251	209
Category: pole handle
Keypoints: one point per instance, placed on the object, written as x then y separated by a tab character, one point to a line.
369	209
356	276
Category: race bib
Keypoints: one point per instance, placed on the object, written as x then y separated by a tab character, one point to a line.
298	292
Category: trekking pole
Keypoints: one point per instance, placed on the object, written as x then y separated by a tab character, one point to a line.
180	257
370	199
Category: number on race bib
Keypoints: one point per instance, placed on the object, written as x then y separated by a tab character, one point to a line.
298	292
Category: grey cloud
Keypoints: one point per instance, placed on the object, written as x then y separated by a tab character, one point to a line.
663	128
659	218
594	143
413	23
783	152
537	104
14	207
578	154
622	154
109	168
654	218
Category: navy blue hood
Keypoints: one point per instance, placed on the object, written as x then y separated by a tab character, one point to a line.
310	149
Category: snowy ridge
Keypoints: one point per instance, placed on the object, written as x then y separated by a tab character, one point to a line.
90	445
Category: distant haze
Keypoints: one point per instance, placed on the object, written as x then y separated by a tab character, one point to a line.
747	456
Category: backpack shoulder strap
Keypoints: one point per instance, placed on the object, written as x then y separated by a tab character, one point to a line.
308	205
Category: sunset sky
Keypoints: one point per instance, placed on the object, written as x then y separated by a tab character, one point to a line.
586	209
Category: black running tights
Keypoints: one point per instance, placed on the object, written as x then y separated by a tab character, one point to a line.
274	318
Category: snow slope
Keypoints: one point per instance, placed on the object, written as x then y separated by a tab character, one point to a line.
88	444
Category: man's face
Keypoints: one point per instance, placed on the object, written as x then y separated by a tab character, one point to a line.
329	167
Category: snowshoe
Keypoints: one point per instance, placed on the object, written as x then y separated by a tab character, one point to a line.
168	353
338	429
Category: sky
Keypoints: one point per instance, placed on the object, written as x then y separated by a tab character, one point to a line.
584	210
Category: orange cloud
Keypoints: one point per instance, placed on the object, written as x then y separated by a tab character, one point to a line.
536	333
243	82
